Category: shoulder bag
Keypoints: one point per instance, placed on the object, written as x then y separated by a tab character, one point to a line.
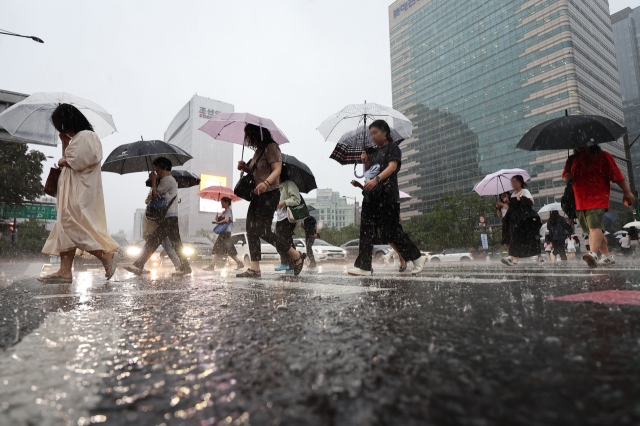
298	213
568	200
247	183
157	209
223	227
51	185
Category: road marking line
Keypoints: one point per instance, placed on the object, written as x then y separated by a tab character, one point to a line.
113	293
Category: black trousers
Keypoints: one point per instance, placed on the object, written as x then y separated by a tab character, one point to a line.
259	218
383	218
167	228
284	230
559	249
309	242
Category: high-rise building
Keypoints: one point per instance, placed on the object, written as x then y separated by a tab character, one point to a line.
212	162
332	210
475	75
138	217
626	32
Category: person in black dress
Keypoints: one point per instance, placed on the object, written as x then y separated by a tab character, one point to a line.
524	224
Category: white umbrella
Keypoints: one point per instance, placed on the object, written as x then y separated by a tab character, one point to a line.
621	233
358	116
499	182
31	118
634	224
551	207
229	126
403	196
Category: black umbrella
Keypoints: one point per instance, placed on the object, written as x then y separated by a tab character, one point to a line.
184	179
571	131
298	172
138	157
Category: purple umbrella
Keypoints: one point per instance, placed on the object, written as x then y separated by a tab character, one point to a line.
229	126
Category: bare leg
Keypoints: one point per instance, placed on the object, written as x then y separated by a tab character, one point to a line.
66	263
515	260
403	263
597	242
236	259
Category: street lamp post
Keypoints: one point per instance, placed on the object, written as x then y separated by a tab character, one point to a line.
355	215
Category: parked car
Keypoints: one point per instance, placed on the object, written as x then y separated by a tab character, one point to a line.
240	241
452	255
379	250
322	250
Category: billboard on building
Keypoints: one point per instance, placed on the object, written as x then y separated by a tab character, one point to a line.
324	195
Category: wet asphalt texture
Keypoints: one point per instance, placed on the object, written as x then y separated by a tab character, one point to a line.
461	344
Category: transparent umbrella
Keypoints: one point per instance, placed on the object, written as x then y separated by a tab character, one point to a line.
31	118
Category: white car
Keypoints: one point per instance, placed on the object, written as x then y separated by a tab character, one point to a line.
322	250
241	244
452	255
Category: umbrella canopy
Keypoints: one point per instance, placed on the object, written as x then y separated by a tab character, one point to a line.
229	126
571	131
138	157
551	207
403	196
31	118
621	233
356	116
634	224
499	182
183	178
344	154
216	193
298	172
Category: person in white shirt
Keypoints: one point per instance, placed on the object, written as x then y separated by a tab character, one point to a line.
167	227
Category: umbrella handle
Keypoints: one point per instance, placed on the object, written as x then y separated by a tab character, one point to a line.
355	172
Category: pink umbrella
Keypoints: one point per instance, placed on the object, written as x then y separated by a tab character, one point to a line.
229	126
216	193
403	196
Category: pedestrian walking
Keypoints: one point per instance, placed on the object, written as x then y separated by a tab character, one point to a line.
223	245
266	167
571	248
148	227
502	209
558	229
625	245
167	226
81	222
289	197
524	224
310	227
548	248
590	170
380	210
576	241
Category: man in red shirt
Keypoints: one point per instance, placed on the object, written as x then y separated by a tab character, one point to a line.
592	171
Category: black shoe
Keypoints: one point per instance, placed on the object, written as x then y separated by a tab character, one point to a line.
298	264
402	269
249	273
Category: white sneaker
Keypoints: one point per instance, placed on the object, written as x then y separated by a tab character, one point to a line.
591	258
357	272
418	264
606	261
507	261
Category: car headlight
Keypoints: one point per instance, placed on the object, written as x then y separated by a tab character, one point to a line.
134	251
317	250
155	256
188	251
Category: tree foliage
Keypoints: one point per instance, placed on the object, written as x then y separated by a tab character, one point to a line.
337	237
20	173
31	238
453	223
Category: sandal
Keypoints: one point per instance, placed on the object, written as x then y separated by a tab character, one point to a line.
299	264
249	273
209	268
54	279
113	264
134	269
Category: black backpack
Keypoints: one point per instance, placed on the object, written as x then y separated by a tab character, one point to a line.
568	200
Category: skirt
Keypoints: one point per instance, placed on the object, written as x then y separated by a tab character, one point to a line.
506	232
223	245
525	239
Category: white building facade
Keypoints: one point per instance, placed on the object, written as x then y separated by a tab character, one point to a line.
332	210
212	162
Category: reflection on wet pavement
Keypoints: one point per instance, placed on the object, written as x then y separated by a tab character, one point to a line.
456	345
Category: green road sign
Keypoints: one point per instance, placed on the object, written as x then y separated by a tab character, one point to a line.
28	211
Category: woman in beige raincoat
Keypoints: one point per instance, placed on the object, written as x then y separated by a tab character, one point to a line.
81	223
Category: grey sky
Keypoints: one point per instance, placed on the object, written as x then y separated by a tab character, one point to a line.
293	61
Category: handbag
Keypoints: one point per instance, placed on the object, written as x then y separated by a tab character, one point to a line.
157	209
568	200
247	183
298	213
221	228
51	185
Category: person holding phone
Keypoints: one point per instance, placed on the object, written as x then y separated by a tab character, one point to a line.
380	206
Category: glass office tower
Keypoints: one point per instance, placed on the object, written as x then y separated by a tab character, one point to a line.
475	75
626	31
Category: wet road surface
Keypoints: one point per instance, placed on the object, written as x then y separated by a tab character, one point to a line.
461	344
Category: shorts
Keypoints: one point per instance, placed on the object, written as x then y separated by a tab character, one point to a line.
591	219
